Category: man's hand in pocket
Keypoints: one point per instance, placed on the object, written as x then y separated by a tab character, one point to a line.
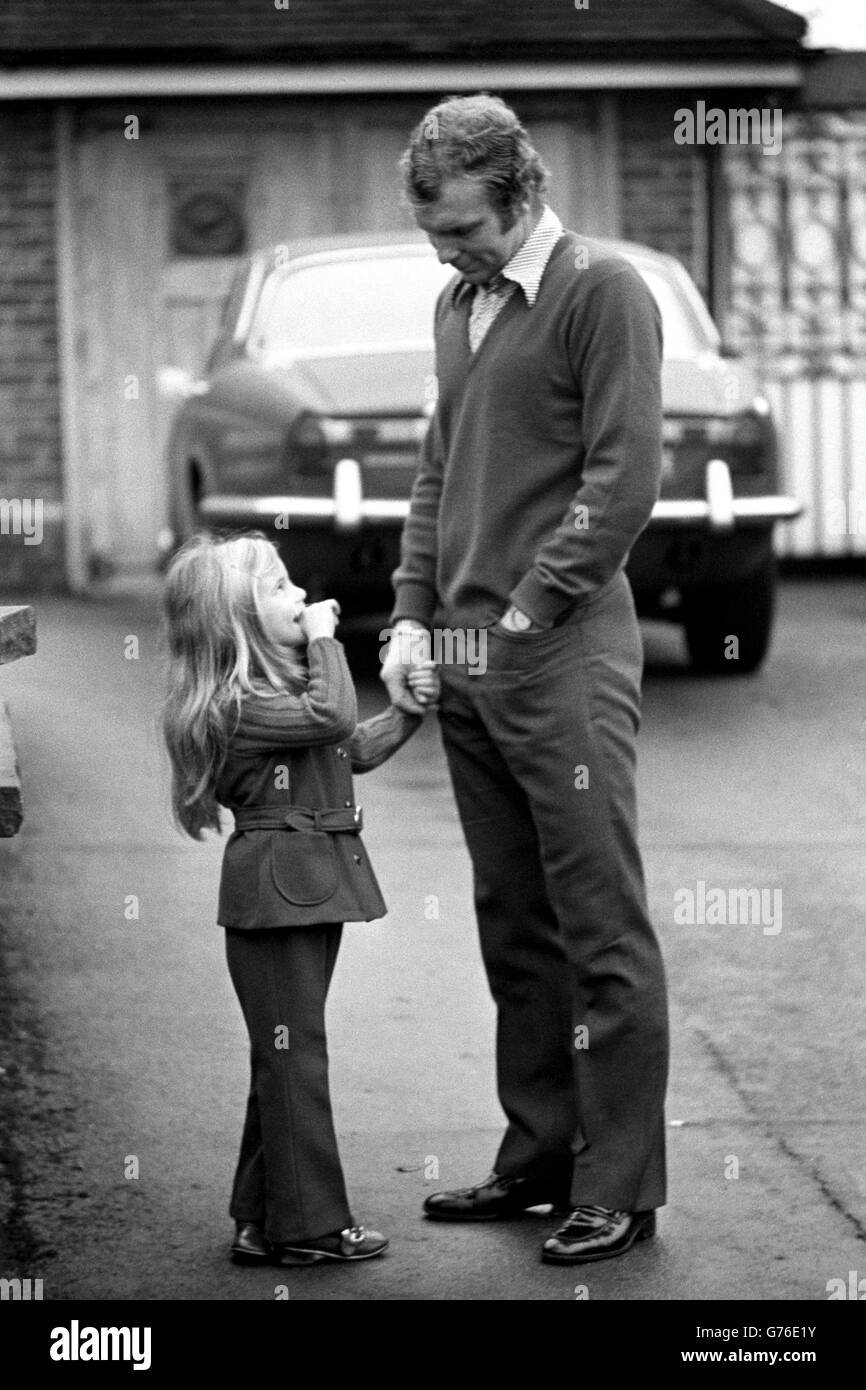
513	620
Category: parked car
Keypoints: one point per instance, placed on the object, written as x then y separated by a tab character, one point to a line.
316	395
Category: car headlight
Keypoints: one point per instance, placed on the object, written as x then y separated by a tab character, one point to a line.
744	431
747	442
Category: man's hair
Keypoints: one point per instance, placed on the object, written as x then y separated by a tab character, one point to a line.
476	137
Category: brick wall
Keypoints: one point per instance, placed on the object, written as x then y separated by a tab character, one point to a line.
30	449
660	180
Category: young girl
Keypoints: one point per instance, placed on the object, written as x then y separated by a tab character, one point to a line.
260	717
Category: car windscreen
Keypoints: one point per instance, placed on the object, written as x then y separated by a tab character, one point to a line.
337	306
683	338
376	301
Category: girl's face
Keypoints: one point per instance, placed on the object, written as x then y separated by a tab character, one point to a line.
281	604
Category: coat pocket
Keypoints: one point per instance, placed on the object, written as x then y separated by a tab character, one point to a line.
304	866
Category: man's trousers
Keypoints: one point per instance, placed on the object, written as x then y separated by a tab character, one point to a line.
541	749
289	1179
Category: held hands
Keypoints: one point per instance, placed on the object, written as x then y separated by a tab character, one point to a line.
409	652
320	619
409	674
408	670
424	683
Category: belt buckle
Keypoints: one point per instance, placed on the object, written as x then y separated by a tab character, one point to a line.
358	812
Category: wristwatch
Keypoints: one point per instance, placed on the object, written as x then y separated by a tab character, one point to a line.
521	621
515	620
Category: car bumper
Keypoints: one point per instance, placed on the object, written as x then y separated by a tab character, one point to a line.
719	509
347	509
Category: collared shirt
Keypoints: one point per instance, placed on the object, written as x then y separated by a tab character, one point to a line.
525	269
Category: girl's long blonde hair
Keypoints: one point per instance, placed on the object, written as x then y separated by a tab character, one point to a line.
218	652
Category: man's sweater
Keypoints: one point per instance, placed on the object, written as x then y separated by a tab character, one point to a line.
542	462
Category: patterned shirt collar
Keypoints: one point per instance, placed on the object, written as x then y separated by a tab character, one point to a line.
529	261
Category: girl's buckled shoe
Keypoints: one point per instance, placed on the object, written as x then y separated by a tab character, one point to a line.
250	1245
353	1243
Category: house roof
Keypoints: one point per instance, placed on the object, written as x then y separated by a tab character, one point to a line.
75	32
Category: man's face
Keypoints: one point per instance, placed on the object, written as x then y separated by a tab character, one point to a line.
464	230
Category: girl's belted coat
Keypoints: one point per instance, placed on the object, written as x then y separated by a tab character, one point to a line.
300	751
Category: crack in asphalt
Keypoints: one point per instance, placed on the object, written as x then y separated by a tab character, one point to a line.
726	1068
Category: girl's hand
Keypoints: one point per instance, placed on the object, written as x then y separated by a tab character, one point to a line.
320	619
423	680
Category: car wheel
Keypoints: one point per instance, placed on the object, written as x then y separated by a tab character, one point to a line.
728	626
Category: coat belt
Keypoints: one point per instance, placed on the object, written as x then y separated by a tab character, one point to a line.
334	818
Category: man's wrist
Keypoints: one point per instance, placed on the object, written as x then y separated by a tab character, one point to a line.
415	600
409	642
544	605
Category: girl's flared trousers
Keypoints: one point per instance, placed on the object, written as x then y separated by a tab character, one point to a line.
289	1179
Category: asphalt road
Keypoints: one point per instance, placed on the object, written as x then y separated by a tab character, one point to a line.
124	1040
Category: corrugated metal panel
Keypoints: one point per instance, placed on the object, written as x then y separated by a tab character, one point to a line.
823	426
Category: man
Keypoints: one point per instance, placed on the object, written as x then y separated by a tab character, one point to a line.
539	470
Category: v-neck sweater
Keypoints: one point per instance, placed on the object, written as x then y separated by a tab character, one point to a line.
542	462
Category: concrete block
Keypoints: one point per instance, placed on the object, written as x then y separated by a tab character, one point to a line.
11	809
17	633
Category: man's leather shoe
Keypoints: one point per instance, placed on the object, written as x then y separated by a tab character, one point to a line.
494	1199
250	1246
597	1233
354	1243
